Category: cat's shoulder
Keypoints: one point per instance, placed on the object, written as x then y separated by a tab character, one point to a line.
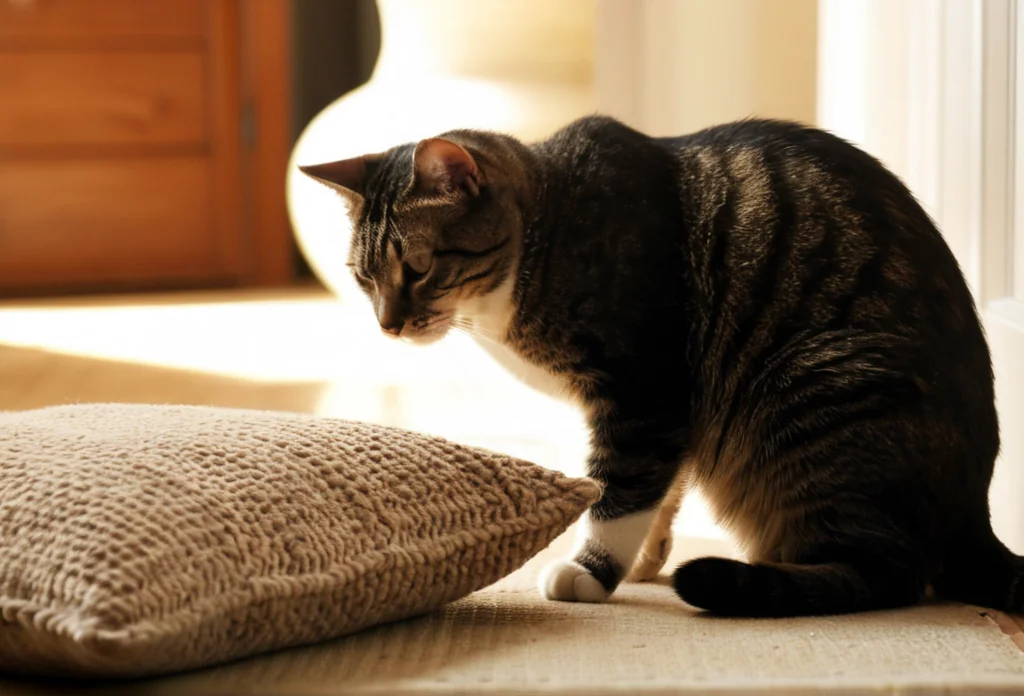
597	128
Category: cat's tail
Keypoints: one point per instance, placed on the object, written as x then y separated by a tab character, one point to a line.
980	570
977	569
734	588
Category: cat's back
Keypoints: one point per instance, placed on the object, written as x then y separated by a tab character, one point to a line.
766	168
766	195
788	172
774	138
795	232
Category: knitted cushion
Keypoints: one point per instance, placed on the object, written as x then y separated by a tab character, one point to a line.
143	539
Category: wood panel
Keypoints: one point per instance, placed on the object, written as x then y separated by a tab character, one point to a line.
224	104
143	144
116	220
266	90
101	98
99	22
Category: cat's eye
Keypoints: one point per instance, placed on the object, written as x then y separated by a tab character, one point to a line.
418	263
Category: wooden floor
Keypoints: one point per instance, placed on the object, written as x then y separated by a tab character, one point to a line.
32	378
43	366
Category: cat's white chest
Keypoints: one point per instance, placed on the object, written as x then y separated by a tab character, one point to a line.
527	373
491	316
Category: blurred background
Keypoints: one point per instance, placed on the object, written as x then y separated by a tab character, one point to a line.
155	246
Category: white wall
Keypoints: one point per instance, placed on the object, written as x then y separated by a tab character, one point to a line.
670	67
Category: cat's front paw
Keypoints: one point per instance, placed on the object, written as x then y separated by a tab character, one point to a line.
568	581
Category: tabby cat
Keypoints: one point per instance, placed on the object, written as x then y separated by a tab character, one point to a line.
759	309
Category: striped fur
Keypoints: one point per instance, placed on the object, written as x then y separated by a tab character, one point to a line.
758	309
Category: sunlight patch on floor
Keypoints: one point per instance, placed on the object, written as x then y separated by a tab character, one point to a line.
274	340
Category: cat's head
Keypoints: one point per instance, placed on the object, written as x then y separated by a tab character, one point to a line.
436	232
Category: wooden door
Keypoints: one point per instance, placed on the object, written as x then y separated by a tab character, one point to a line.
125	160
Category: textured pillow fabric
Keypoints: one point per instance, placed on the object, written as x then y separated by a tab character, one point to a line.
137	540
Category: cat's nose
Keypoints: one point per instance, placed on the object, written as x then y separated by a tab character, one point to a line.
394	328
390	320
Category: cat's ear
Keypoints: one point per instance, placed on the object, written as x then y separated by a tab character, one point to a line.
348	176
443	167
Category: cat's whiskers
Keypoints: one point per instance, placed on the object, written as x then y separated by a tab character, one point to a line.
467	326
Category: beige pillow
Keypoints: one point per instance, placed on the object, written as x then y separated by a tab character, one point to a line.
143	539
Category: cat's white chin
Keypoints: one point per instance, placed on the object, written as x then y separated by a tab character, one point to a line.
428	337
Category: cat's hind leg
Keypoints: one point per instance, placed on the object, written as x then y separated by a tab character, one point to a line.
658	544
851	526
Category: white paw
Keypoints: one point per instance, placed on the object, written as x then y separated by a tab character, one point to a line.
568	581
